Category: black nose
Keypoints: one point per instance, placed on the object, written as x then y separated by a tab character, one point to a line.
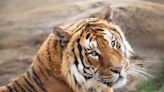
116	69
120	76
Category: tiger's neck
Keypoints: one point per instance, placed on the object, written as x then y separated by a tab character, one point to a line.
44	74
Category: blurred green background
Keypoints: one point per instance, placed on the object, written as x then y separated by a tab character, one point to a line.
155	85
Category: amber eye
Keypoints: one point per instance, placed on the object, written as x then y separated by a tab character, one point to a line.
113	43
94	53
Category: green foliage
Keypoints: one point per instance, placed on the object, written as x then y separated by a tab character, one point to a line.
156	85
149	86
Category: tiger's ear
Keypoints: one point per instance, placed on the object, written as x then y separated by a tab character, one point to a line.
106	13
61	36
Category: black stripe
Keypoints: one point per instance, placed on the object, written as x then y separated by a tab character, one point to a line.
42	72
76	61
88	59
76	81
60	46
29	84
78	40
9	88
20	86
37	80
92	25
93	30
47	71
87	77
109	84
87	73
29	90
79	28
100	30
48	52
90	39
28	74
88	68
87	36
49	57
15	89
114	29
80	52
81	34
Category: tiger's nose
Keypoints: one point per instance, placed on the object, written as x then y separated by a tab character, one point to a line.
116	69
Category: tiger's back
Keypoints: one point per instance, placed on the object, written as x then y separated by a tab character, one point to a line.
44	73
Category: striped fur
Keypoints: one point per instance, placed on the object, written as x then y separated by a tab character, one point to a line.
44	74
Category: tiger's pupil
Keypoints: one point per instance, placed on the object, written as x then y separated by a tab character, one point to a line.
113	43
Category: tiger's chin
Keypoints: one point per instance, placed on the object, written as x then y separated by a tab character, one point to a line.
119	83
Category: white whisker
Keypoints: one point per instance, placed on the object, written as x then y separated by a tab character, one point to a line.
140	73
141	69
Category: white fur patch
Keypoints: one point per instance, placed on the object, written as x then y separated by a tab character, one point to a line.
87	42
120	83
108	37
93	44
80	67
80	79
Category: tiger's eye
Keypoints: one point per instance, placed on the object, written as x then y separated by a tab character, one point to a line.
93	53
119	46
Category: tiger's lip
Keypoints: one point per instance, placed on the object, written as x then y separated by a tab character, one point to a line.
111	83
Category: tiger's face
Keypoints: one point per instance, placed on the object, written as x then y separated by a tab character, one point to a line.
95	51
99	54
104	52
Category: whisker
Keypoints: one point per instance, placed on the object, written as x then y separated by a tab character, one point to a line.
141	69
138	72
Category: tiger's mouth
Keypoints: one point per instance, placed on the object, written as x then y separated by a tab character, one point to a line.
113	81
110	84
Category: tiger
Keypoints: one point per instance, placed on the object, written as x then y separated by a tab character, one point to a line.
88	55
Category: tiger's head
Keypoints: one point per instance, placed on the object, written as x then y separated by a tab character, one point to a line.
95	53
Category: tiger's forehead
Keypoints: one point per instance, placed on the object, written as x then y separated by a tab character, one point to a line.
94	23
100	40
75	26
96	27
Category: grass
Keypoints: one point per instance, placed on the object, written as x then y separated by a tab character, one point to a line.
155	85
